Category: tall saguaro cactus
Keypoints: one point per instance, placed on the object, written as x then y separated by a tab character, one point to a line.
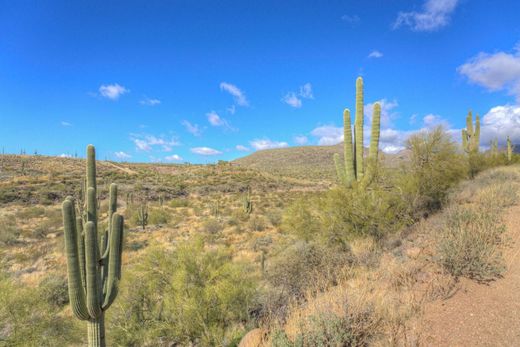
353	169
94	268
470	135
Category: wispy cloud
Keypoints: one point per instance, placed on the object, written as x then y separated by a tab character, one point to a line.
294	99
301	140
193	129
122	155
205	151
328	135
434	15
65	124
112	91
352	19
145	142
375	54
497	71
150	101
64	155
238	95
174	157
242	148
260	144
215	120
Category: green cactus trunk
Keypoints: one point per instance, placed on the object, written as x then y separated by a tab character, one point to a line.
509	150
354	170
358	126
94	269
470	135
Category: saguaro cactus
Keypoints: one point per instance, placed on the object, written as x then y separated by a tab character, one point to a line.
470	135
247	204
509	150
494	147
354	168
94	268
142	215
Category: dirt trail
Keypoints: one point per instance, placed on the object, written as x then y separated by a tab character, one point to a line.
127	170
479	314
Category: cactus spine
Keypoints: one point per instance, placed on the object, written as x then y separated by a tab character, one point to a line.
509	150
354	169
470	136
94	269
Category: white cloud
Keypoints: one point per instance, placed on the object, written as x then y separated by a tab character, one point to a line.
500	122
122	155
294	99
231	109
387	111
148	142
375	54
112	91
495	72
205	151
215	120
242	148
238	95
193	129
350	18
65	124
435	15
306	91
301	140
150	102
174	157
260	144
328	135
64	155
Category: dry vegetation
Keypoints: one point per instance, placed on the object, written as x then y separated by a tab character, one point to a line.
310	266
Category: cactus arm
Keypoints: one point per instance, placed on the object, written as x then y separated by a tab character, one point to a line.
81	250
93	280
91	206
114	262
469	123
112	206
348	153
374	140
359	128
76	291
91	167
477	134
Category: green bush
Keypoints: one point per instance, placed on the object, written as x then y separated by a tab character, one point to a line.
9	231
187	296
158	216
257	223
27	320
54	290
301	219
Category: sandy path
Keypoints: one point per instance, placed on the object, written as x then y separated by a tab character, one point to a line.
479	314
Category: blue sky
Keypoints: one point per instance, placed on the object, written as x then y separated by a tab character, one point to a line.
198	81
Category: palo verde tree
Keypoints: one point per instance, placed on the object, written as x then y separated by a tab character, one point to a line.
93	267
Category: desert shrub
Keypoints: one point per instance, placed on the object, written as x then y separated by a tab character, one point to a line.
301	219
180	202
31	212
435	167
183	297
256	223
212	226
274	217
302	266
27	320
158	216
54	290
469	242
353	326
9	231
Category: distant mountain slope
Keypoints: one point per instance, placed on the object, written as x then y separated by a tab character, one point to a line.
307	162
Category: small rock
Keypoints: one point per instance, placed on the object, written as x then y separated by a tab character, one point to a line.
413	252
254	338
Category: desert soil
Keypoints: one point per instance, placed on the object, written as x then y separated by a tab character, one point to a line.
481	314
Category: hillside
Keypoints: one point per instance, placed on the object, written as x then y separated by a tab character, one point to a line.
309	162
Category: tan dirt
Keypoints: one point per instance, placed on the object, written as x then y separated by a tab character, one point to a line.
481	314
